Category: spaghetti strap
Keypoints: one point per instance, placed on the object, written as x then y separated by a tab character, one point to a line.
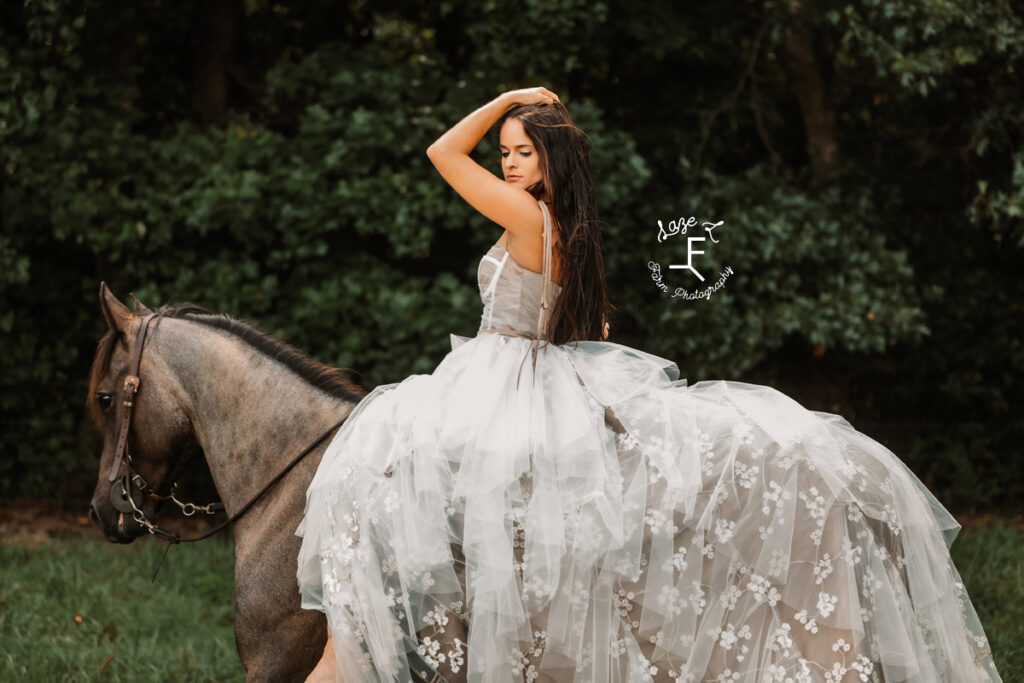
545	271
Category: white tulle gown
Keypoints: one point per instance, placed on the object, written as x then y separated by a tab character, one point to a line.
590	517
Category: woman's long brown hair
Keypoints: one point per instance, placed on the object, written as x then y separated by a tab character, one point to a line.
582	308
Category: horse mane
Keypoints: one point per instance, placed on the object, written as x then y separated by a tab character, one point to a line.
330	380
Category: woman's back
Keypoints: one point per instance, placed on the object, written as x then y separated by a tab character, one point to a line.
512	294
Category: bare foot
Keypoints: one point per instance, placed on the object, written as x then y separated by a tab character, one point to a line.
326	668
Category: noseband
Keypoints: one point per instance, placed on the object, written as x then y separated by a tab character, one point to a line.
131	484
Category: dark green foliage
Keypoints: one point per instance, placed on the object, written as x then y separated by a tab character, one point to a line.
304	200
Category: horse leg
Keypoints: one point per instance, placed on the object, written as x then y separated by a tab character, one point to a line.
277	640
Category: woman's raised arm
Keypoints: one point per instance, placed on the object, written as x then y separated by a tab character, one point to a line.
510	207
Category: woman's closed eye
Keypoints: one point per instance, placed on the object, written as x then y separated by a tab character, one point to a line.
525	154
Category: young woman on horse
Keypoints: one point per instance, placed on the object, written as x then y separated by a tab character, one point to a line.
550	506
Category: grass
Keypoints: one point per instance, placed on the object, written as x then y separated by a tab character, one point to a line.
180	628
177	629
991	563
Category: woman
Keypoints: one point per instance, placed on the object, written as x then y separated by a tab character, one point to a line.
548	506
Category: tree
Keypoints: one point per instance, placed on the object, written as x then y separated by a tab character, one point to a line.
267	160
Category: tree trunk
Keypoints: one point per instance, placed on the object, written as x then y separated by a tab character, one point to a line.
218	23
809	85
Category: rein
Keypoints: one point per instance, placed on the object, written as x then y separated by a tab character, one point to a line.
122	493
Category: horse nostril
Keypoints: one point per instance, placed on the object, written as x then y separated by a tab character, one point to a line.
94	515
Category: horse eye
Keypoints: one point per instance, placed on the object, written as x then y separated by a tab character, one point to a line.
104	400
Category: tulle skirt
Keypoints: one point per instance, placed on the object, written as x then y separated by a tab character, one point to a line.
593	518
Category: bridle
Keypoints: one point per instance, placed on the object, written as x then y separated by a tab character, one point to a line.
121	494
128	391
131	483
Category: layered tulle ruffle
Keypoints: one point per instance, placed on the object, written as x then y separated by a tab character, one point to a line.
603	521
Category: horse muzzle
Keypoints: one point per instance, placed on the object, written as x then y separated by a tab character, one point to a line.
115	516
120	529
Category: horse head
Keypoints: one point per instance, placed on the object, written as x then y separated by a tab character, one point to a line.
141	413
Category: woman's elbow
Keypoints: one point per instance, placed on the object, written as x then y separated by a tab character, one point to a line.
438	156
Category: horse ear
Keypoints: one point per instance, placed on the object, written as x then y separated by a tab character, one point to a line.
117	314
139	307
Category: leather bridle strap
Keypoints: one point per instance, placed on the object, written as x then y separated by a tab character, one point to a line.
128	392
174	538
131	388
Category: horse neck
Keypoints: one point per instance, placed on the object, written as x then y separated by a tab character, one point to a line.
251	414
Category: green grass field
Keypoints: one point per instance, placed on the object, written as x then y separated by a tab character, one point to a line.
177	629
180	628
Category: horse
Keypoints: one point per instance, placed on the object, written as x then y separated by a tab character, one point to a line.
215	387
211	386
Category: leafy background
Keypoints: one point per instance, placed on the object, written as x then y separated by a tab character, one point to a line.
267	159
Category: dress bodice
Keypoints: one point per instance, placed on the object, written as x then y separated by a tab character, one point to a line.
511	294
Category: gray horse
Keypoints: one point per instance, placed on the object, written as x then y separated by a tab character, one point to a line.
216	387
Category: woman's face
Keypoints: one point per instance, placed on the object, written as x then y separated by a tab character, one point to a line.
519	159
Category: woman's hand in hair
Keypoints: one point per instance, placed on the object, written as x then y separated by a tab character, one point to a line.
530	96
